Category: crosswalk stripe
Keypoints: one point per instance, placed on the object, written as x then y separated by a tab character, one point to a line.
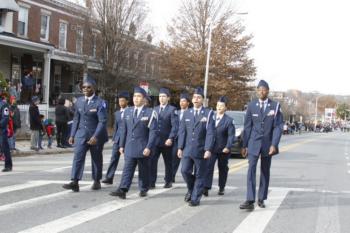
256	221
328	214
89	214
19	187
174	218
35	200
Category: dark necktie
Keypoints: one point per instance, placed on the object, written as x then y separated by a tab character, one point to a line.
262	108
135	115
196	115
161	109
86	104
217	121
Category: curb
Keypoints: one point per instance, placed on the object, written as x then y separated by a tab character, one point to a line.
54	151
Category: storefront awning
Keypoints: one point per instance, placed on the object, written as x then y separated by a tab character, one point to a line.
9	5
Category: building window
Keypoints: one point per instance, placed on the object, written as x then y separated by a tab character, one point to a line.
22	21
44	31
79	41
63	35
94	39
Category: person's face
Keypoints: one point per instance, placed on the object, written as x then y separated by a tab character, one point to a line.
184	103
220	108
122	102
263	92
88	89
138	99
163	99
197	100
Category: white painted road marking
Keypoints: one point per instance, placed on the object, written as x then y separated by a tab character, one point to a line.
90	214
175	218
256	221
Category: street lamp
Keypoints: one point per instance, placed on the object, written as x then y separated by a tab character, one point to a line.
208	59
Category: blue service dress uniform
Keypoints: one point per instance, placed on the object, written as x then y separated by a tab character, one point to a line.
167	126
176	159
224	138
137	133
262	128
113	164
196	135
90	119
4	119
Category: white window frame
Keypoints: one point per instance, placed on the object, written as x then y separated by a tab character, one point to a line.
47	33
77	41
59	35
94	44
26	8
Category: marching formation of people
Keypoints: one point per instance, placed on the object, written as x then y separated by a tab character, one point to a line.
197	136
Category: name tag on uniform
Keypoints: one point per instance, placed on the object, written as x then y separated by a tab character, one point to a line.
144	119
93	110
255	115
187	120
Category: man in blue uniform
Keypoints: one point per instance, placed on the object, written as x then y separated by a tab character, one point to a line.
263	128
123	98
184	103
224	139
4	143
137	138
167	130
195	145
89	132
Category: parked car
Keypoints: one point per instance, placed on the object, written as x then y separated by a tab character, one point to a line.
238	117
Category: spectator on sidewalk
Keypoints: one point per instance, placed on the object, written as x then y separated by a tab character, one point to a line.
41	132
35	123
50	131
70	106
62	116
16	118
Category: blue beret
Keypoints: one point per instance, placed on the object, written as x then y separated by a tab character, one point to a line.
199	91
35	98
263	83
185	96
164	91
89	80
223	99
123	94
140	90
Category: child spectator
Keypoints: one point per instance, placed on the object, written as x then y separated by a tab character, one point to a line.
50	131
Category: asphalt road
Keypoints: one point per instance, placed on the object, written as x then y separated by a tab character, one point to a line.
309	192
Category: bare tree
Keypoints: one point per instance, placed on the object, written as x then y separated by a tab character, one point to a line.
185	57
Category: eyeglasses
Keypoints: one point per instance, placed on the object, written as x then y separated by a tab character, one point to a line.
87	87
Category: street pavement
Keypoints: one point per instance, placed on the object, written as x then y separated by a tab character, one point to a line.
309	192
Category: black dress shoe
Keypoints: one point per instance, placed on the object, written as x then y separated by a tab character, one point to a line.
118	193
143	194
193	204
107	181
7	169
152	186
168	185
188	197
72	185
247	205
206	192
96	185
261	204
221	192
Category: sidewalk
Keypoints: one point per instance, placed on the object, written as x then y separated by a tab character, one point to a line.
23	149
